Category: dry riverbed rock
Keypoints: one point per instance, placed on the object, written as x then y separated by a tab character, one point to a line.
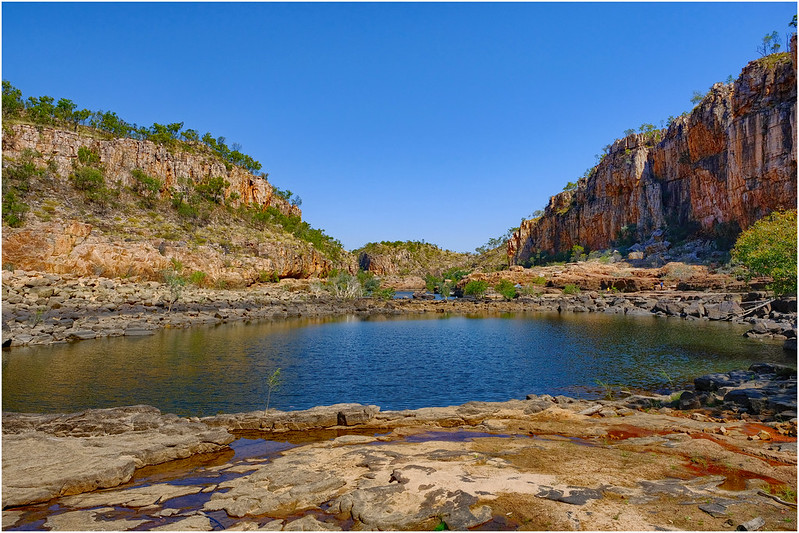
494	465
45	456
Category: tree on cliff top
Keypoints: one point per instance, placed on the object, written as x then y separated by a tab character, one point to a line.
768	248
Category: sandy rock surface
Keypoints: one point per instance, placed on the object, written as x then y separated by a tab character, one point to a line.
45	456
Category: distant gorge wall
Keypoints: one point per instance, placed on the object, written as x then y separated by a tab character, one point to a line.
731	161
120	156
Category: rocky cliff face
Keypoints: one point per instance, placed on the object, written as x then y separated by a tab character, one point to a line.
727	164
76	248
65	235
121	156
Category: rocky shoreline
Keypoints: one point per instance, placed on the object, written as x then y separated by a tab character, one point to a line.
44	308
722	454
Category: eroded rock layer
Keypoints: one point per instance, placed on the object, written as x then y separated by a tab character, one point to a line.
726	165
120	156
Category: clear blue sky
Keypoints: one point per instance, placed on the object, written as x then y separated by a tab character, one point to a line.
444	122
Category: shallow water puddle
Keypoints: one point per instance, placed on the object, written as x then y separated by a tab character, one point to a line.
206	471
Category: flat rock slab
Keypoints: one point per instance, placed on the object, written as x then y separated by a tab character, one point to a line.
385	486
572	495
90	520
45	456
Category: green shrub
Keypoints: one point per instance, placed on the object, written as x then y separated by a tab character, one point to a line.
268	277
626	236
476	288
571	288
344	285
88	157
455	274
88	179
506	289
198	278
368	281
432	282
14	209
539	280
175	284
146	186
331	247
445	289
213	189
768	248
530	290
20	173
386	293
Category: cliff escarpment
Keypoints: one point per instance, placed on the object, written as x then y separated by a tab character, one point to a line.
731	161
120	156
90	205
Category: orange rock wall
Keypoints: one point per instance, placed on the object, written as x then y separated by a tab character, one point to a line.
732	160
120	156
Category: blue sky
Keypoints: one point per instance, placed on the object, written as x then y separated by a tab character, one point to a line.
443	122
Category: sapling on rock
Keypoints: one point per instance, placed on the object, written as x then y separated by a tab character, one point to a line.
273	382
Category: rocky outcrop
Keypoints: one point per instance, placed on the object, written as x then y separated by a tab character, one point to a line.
45	456
126	237
723	167
552	463
408	258
120	156
73	247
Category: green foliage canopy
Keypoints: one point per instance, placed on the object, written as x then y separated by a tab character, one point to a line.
476	288
506	289
768	248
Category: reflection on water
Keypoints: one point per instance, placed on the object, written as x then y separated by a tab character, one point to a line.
394	363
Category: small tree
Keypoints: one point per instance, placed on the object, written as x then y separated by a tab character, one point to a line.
506	289
768	248
273	383
445	289
12	100
175	284
769	45
476	288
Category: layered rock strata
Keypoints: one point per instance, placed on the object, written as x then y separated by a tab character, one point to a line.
74	247
59	237
723	167
120	156
46	456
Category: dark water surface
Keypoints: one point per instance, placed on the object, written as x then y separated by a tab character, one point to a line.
394	363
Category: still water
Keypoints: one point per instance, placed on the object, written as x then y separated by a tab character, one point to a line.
394	363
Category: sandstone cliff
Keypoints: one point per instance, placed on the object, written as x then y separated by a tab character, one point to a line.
63	233
723	167
120	156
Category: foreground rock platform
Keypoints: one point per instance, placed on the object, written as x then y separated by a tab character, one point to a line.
46	456
553	463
